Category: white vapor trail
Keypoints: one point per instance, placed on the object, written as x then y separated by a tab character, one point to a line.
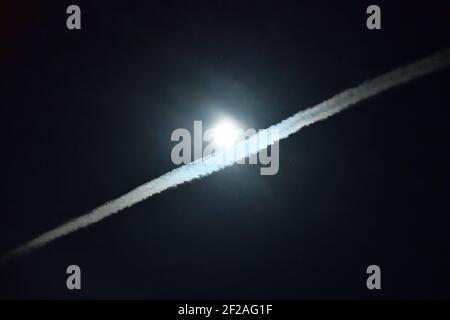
208	165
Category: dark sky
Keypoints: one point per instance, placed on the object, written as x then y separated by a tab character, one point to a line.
87	116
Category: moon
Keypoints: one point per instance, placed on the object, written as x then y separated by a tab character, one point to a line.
225	134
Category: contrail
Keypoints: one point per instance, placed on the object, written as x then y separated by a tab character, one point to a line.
210	164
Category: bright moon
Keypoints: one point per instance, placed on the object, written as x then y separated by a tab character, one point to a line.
226	134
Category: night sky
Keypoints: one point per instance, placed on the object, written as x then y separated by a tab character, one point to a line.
87	116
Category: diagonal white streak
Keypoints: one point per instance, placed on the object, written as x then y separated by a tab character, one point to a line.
210	164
